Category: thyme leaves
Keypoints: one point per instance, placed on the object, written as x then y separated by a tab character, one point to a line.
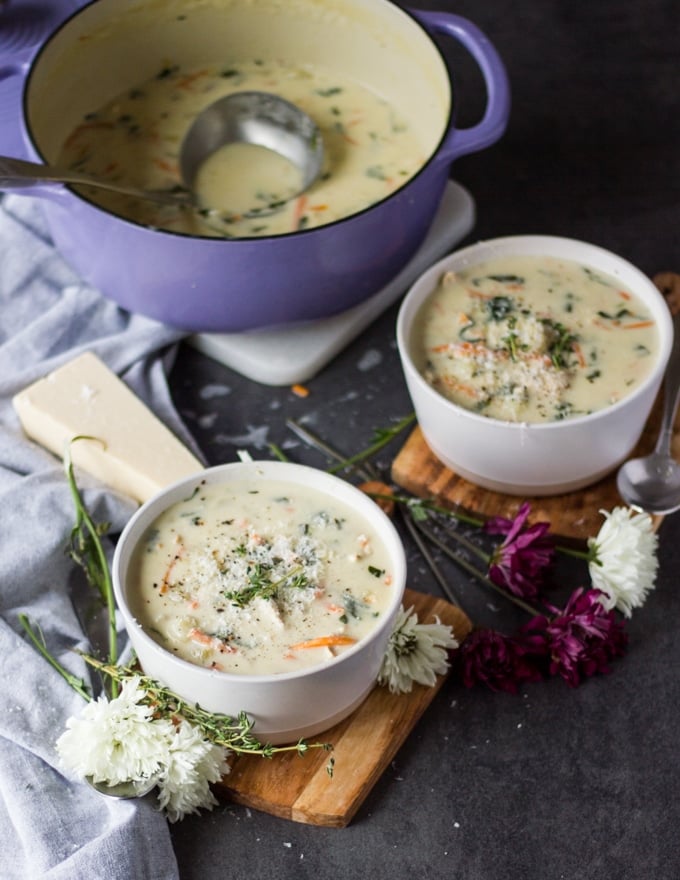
562	344
262	584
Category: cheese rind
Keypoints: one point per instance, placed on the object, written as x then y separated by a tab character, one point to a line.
134	452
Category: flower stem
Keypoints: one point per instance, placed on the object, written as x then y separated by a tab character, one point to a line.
470	547
475	572
576	554
417	505
76	683
365	472
384	436
446	588
89	553
277	452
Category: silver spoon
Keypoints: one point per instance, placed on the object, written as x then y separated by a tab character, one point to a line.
124	790
652	483
251	117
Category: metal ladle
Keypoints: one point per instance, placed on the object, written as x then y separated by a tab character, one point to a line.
258	118
652	483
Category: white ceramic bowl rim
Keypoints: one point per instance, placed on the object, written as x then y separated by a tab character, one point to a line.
546	245
362	503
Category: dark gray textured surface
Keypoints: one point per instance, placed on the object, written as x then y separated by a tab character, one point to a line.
552	784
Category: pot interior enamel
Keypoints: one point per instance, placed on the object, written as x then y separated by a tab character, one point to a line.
201	283
114	45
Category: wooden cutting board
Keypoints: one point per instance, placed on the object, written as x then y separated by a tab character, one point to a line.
299	788
574	515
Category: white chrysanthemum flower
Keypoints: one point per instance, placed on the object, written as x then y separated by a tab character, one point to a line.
116	740
623	561
192	764
415	652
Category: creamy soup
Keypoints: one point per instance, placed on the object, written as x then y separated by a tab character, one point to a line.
245	176
259	577
533	339
369	149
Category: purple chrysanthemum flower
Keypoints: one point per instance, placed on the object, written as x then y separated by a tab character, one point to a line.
520	562
582	639
501	663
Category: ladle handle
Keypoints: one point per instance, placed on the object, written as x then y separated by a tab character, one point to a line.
20	174
671	392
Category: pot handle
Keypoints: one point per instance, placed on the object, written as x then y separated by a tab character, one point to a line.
460	141
15	65
24	179
18	65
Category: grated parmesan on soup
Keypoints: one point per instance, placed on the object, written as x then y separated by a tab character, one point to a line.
259	577
533	339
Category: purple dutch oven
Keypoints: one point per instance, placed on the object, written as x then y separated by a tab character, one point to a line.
224	285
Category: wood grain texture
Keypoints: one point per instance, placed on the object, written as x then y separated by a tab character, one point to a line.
300	789
573	515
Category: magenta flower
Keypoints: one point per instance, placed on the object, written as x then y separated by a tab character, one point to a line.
490	658
581	640
520	562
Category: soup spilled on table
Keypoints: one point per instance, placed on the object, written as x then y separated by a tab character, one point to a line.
533	339
369	151
259	577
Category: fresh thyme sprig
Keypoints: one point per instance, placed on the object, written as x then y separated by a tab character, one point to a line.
222	730
260	585
38	640
420	508
277	452
382	436
87	550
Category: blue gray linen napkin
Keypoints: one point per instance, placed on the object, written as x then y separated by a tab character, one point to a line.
52	826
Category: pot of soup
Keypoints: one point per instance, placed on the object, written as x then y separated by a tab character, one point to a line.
116	86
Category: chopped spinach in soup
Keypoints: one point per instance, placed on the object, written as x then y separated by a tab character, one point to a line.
533	339
370	150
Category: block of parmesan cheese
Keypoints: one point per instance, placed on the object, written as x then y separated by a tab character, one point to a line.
135	453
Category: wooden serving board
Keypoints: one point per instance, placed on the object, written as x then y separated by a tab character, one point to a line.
299	788
573	515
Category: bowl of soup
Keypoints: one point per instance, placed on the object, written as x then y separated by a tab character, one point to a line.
262	587
533	361
115	87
